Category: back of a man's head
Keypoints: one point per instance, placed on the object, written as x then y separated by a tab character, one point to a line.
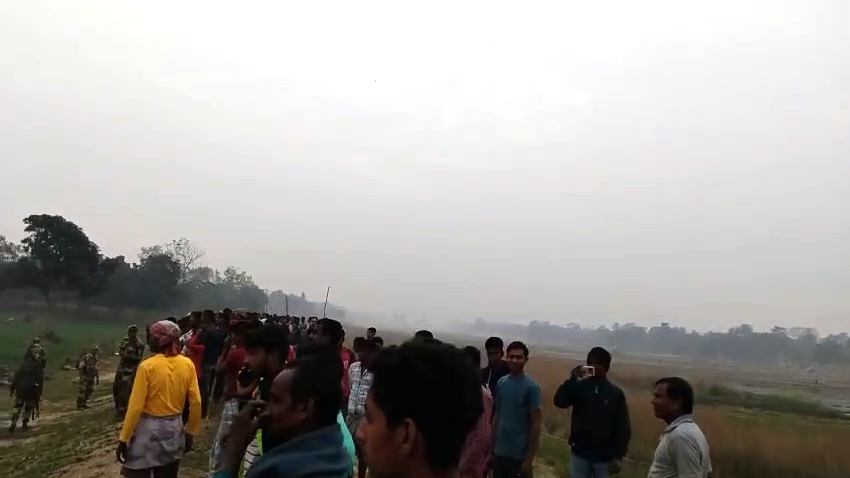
315	378
268	338
423	334
435	386
473	354
332	329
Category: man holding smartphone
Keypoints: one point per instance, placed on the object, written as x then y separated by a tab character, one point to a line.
600	429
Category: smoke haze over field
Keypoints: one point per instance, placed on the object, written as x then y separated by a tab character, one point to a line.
566	161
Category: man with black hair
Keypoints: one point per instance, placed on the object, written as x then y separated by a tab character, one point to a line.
496	367
266	349
516	425
600	429
423	334
425	399
330	331
360	379
301	414
379	342
356	345
476	450
683	449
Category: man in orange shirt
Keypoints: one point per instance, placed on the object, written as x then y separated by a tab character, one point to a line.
153	439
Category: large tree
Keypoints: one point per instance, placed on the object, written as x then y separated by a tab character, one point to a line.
9	251
59	256
182	250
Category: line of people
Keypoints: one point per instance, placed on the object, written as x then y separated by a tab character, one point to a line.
297	402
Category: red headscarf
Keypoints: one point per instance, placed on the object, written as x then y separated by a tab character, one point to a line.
166	334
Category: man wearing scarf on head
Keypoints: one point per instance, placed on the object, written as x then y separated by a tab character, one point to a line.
152	439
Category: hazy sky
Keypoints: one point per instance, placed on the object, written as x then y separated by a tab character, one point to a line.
565	161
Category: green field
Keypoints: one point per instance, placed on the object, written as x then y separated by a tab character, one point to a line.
75	330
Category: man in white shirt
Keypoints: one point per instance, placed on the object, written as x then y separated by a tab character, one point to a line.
683	449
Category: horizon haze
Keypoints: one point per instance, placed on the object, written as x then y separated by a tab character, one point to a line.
560	161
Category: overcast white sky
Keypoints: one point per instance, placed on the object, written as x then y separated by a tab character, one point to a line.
565	161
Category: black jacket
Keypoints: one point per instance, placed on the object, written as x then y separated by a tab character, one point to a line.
490	375
600	429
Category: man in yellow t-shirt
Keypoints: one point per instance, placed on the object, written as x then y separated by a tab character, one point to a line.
163	383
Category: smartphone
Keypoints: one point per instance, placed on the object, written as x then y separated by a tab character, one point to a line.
245	377
588	371
257	409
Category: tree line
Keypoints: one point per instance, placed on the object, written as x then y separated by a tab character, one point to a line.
57	262
794	346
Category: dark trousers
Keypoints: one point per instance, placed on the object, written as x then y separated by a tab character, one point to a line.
218	388
505	467
185	413
165	471
205	384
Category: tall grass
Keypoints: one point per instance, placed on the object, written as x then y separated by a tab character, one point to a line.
744	443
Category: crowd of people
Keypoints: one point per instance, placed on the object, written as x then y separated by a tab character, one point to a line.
293	401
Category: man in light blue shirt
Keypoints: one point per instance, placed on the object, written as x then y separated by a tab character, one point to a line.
517	418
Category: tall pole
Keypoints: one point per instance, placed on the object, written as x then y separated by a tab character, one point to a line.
325	308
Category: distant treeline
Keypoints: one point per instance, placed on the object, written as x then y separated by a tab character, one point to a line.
796	345
57	262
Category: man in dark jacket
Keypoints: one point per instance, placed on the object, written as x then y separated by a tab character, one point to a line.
600	429
496	366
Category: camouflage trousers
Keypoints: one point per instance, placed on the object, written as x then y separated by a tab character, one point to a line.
84	391
28	405
121	388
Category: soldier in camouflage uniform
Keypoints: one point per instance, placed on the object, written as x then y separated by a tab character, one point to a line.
89	377
130	355
36	350
26	388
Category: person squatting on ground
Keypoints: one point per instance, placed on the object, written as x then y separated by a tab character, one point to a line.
424	401
600	429
26	387
130	354
302	435
89	369
152	438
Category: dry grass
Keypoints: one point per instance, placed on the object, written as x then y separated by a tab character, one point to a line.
743	443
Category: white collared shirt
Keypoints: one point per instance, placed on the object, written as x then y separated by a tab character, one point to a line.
682	452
